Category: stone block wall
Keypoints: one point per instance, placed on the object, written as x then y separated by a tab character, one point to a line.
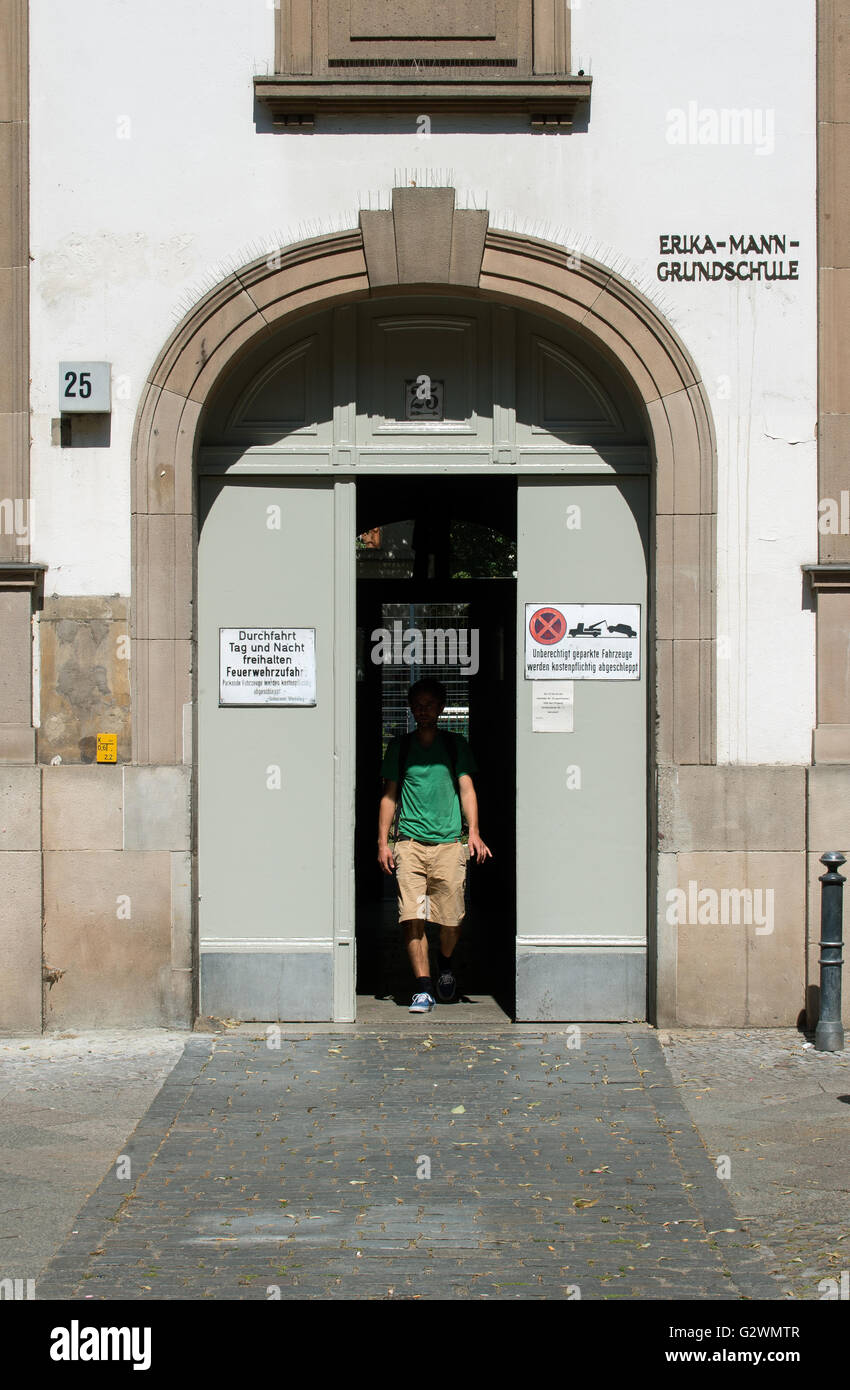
84	652
738	901
96	882
20	899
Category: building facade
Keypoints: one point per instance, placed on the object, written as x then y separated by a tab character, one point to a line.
546	301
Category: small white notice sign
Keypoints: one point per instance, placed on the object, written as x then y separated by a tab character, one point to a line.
267	666
552	707
582	641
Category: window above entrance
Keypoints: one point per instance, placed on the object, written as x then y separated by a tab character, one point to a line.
404	56
424	380
435	547
427	381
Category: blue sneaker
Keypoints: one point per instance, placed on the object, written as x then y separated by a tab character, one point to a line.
422	1004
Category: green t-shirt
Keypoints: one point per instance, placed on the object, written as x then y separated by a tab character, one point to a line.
430	806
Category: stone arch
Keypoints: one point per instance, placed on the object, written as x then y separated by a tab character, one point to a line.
423	243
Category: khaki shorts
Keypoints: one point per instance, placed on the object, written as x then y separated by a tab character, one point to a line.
430	880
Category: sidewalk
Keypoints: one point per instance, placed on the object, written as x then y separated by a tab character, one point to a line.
303	1168
67	1104
781	1113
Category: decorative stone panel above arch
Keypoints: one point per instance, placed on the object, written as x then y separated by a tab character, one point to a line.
395	56
422	242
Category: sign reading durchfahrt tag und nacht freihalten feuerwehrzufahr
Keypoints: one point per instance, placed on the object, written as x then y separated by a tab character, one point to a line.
267	666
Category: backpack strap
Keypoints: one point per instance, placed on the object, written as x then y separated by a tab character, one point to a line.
451	740
403	759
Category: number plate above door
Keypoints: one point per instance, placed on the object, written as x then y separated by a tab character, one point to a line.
424	399
85	388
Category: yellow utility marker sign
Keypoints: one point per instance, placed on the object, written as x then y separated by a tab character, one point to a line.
107	748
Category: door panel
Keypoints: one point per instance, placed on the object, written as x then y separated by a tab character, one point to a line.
266	775
581	796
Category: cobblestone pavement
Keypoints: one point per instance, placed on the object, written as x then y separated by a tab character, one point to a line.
303	1172
68	1103
779	1111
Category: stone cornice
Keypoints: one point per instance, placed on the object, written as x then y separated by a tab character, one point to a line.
550	102
828	576
21	574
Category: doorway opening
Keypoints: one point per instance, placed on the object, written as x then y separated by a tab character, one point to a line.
436	596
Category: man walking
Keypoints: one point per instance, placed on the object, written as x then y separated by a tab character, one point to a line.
430	772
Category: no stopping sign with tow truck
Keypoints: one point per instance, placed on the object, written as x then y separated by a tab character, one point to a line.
582	641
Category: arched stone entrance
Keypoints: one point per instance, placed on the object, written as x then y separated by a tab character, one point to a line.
421	245
351	265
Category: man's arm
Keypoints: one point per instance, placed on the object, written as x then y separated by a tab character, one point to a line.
386	811
469	801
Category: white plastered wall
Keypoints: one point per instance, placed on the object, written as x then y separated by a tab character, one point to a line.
150	181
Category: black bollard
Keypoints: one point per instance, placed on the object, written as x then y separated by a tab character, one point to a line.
829	1034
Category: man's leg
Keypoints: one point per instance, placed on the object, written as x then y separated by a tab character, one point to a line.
411	881
449	937
447	886
416	937
446	980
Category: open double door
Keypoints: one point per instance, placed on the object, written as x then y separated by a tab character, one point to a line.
287	797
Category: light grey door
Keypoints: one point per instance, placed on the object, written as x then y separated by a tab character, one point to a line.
582	795
271	793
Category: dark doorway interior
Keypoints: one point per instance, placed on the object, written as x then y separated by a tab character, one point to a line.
436	595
